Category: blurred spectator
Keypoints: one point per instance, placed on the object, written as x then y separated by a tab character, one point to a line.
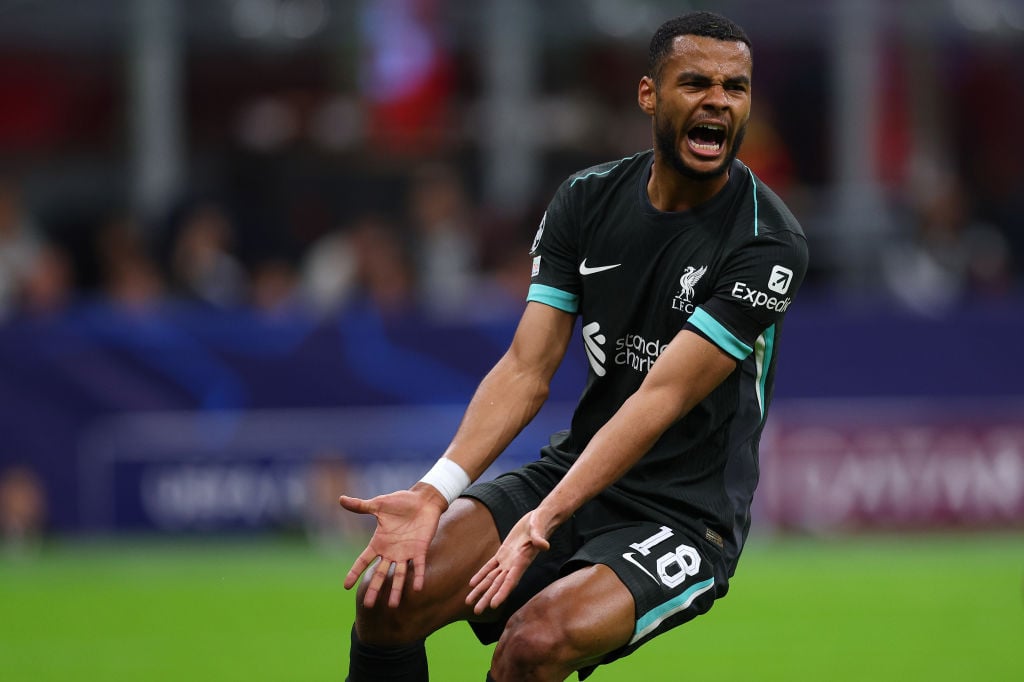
22	508
989	139
48	286
948	255
328	273
326	523
447	252
385	275
203	264
407	76
507	283
129	275
273	287
765	152
20	243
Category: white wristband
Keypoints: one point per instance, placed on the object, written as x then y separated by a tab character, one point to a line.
448	477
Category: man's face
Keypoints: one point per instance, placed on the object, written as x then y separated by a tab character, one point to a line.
701	105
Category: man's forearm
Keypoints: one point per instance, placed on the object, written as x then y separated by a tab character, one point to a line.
504	403
688	370
611	453
513	391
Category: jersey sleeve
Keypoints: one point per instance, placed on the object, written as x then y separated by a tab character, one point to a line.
554	280
756	287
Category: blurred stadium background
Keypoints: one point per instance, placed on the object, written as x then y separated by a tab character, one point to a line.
254	253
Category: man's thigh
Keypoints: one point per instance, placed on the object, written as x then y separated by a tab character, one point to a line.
584	616
466	538
622	587
667	573
508	498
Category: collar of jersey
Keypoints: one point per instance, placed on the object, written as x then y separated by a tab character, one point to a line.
738	177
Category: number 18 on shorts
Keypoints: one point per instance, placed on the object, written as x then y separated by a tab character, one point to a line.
672	581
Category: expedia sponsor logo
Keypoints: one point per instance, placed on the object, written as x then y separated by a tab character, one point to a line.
780	279
760	299
637	353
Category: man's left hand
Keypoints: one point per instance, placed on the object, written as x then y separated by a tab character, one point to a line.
498	577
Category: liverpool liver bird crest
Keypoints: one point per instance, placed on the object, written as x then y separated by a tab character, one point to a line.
689	280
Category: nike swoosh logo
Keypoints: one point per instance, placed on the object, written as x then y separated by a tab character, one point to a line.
584	270
628	556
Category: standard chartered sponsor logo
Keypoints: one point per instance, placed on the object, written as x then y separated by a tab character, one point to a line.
632	350
637	353
593	340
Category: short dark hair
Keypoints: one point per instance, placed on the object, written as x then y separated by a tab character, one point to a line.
705	24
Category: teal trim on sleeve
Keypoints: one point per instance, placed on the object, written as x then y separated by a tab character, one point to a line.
765	348
556	298
722	337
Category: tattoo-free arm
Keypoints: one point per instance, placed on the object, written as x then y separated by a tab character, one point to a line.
512	393
506	400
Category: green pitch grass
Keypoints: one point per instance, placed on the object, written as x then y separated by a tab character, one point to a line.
907	608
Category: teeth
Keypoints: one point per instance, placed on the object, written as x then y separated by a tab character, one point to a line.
708	146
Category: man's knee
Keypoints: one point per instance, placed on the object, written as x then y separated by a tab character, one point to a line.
535	645
450	565
572	623
382	625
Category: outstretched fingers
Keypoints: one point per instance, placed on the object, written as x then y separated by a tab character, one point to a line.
485	584
405	528
397	583
367	557
375	582
419	571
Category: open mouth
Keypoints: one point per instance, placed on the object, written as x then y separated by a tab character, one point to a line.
706	139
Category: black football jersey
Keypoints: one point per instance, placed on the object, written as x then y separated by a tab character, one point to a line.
728	270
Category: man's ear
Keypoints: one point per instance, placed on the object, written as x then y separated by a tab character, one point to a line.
647	95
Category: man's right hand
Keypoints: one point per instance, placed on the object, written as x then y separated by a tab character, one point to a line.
406	523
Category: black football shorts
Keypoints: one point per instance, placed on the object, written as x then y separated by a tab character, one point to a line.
669	572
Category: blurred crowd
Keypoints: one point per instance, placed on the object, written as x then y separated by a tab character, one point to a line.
342	167
433	250
431	246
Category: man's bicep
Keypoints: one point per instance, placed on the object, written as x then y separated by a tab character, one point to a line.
689	369
541	338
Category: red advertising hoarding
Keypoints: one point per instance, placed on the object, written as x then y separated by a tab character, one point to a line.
878	465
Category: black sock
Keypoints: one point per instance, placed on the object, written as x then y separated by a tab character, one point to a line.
399	664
